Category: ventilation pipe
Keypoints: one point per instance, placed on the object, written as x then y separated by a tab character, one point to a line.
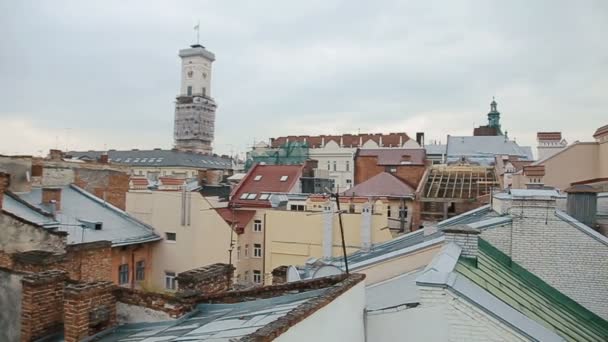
366	227
328	231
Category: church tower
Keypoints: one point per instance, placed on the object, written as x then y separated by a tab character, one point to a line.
195	108
494	117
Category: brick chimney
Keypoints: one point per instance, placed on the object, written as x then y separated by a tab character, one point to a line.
103	158
4	183
465	237
213	278
89	308
41	304
56	155
52	196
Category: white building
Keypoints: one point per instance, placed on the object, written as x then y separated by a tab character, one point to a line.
549	143
195	108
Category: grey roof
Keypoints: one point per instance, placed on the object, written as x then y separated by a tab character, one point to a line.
79	207
435	149
440	272
475	215
213	322
18	207
395	292
158	158
485	147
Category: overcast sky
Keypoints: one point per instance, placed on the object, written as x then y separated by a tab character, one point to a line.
104	74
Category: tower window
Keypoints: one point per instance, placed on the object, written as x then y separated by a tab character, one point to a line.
204	91
189	90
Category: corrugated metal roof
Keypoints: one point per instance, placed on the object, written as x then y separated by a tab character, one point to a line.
156	158
485	146
214	322
79	206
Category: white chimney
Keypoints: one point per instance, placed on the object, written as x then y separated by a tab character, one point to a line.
366	227
328	231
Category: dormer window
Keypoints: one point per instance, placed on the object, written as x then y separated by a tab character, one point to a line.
284	178
252	196
257	178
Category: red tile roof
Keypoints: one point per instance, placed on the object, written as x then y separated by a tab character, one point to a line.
534	170
549	136
269	181
382	184
348	140
240	218
171	181
139	181
396	156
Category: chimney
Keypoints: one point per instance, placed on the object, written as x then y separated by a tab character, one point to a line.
89	308
4	183
309	166
52	197
420	138
328	231
214	278
103	158
465	237
366	227
582	204
56	155
279	275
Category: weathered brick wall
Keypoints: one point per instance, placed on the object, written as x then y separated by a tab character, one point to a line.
208	279
17	167
17	235
466	238
279	275
57	176
110	185
499	237
367	166
4	183
89	261
41	305
466	322
168	303
89	308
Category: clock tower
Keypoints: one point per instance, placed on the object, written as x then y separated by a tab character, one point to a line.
195	108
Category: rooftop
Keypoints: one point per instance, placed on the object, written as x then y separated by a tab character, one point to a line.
157	158
262	180
382	185
401	156
460	182
347	140
485	147
80	208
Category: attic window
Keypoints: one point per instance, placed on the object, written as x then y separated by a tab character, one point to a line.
252	196
284	178
257	178
244	195
264	197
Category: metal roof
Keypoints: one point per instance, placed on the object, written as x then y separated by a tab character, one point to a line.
485	147
158	158
397	291
435	149
213	322
79	207
18	207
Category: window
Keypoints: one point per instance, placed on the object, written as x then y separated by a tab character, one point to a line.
257	276
388	211
328	165
252	196
171	236
238	253
264	196
204	91
189	90
244	195
402	212
297	207
284	178
257	250
140	270
257	178
348	166
335	165
123	274
170	282
349	181
257	226
246	251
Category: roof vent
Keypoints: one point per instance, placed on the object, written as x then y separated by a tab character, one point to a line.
93	225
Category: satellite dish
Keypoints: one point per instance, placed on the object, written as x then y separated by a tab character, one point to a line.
326	271
293	274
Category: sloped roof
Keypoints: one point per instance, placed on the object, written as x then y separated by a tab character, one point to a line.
265	179
601	131
382	184
158	158
485	146
234	216
78	206
18	207
171	181
396	156
348	140
553	136
496	273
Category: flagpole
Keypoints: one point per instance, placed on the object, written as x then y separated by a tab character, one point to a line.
198	31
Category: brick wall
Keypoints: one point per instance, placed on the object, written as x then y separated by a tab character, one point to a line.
110	185
89	261
42	303
367	166
130	255
4	182
464	237
279	275
208	279
89	308
465	322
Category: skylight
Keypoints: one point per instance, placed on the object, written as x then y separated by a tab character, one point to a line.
244	195
257	178
264	197
252	196
143	160
284	178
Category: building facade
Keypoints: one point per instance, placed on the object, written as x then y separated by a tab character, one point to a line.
195	108
549	143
